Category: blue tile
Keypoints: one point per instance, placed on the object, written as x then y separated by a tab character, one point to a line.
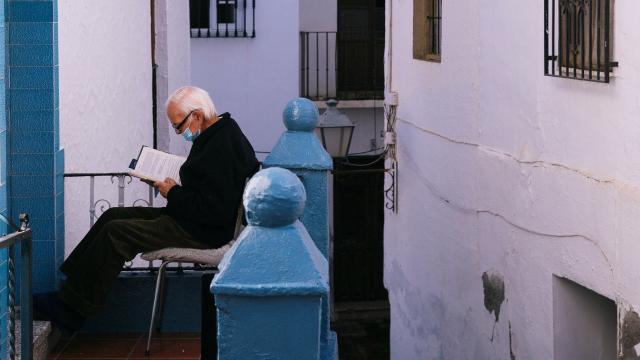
31	11
59	199
37	208
32	77
31	33
44	256
32	164
33	120
31	55
55	33
35	142
31	186
43	229
31	99
59	161
44	286
4	164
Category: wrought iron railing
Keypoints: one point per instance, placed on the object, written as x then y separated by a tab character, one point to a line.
233	18
345	65
318	65
578	39
23	237
100	205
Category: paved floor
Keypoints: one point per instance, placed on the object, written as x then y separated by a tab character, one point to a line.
362	328
127	346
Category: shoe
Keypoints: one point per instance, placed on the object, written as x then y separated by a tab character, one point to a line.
49	306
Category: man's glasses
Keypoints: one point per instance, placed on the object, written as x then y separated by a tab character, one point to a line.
177	127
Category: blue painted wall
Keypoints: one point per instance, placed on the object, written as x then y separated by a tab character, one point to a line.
36	163
3	182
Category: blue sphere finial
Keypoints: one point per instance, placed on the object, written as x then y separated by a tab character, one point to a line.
300	114
274	197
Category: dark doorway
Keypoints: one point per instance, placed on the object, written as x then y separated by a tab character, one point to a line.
360	49
358	230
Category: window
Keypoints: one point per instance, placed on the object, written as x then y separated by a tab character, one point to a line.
427	29
578	39
233	18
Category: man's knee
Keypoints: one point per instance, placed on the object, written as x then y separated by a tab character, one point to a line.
117	233
113	213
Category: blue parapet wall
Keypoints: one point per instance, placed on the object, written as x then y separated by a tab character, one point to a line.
272	283
36	162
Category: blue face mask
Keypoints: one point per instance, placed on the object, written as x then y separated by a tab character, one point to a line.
189	136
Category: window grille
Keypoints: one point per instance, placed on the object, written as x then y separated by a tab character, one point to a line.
233	18
578	39
427	29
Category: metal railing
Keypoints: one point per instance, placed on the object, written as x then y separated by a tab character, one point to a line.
233	18
577	41
100	205
344	65
318	65
23	237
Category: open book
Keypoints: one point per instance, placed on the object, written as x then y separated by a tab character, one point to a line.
154	165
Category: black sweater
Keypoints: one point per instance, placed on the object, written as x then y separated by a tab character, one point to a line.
213	179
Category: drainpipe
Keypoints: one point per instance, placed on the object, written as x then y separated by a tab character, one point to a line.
154	67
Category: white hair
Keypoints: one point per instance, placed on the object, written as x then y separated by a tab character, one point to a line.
190	98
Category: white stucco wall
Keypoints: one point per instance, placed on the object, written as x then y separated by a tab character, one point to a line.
105	99
253	79
318	15
503	169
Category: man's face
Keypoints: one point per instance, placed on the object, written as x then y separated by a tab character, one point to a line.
178	119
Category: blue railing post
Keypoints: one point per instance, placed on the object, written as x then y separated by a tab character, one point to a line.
272	283
300	151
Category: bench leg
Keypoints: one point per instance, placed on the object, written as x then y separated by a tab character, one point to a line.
159	281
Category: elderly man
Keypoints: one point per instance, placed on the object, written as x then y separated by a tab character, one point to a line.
200	213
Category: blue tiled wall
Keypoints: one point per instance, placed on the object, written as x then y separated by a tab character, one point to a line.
36	163
3	181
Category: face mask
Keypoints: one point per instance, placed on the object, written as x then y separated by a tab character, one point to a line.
189	136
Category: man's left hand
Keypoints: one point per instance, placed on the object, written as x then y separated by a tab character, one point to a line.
165	186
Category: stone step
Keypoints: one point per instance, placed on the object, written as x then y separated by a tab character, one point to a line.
41	332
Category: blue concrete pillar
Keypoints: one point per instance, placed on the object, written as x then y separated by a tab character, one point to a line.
300	151
36	163
272	283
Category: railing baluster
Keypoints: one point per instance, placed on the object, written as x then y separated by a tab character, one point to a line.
591	39
244	18
26	318
121	190
92	204
326	62
598	24
254	18
235	18
12	302
317	64
553	36
606	40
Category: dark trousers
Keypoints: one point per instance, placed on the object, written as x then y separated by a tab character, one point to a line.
118	236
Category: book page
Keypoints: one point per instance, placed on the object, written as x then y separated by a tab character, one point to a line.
156	165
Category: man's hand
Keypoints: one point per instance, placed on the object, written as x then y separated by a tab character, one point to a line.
165	186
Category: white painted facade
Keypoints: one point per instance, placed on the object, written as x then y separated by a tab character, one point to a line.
502	169
254	78
106	95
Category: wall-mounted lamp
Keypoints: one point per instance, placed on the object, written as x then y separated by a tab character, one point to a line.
335	130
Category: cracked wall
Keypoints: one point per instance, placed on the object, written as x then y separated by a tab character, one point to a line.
502	168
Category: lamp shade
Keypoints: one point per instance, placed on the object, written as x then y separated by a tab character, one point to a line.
335	130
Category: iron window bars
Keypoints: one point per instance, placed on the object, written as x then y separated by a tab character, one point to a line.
578	39
233	18
427	29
